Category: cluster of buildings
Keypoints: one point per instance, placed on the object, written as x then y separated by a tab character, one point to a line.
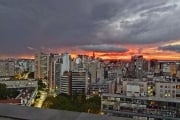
62	73
25	87
111	76
147	90
26	91
139	88
83	75
12	67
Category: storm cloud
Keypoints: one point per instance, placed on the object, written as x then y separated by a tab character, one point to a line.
84	23
104	48
174	48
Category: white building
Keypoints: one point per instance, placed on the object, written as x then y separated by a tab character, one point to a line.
66	63
135	88
167	89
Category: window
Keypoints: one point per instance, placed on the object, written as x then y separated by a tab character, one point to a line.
177	95
173	95
177	86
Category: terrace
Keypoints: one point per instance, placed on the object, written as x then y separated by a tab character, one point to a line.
150	107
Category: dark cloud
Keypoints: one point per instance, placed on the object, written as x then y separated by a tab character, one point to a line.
143	23
174	48
68	23
103	48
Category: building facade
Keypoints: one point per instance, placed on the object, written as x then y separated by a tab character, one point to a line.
7	68
41	66
141	108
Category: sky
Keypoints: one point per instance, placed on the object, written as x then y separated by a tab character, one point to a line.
110	28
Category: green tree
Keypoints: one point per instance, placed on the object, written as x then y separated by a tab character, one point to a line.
93	105
3	91
31	75
11	93
74	103
48	102
41	85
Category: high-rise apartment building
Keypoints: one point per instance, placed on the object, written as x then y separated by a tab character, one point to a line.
57	74
79	82
65	63
137	61
41	66
53	58
65	83
74	83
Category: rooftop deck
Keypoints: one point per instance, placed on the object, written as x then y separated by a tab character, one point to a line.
14	112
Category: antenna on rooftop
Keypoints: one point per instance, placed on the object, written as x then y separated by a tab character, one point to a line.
94	55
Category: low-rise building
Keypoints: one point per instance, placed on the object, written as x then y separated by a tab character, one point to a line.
140	107
167	89
134	87
20	83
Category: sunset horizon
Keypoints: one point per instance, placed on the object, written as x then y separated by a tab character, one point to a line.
108	55
82	27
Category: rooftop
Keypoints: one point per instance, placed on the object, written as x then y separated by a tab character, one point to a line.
143	98
29	113
11	101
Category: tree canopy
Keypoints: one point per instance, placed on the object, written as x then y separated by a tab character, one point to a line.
3	91
41	85
7	93
74	103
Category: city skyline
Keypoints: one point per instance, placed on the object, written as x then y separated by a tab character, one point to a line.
115	29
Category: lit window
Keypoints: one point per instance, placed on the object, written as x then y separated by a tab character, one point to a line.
177	86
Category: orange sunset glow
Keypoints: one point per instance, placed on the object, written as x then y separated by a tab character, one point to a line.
148	53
